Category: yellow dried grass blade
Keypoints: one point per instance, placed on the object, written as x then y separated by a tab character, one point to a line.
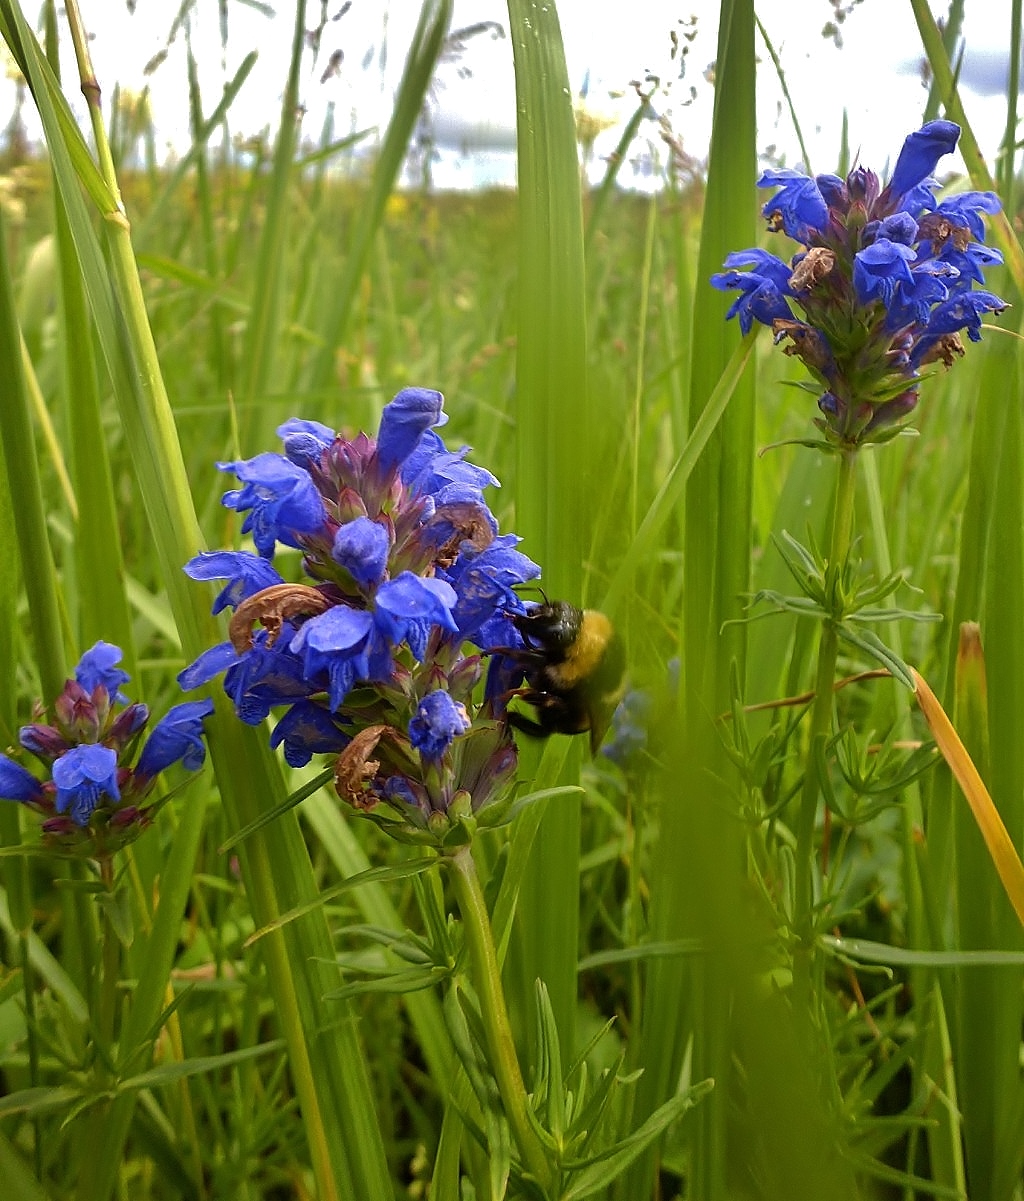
997	840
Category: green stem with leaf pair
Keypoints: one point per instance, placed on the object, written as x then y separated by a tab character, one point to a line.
821	712
486	977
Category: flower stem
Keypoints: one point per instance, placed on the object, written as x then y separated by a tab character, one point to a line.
821	712
110	967
487	981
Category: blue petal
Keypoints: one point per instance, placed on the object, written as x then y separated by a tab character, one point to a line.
305	441
760	298
403	422
920	154
432	466
282	500
362	546
971	262
963	310
408	607
438	722
307	729
913	302
178	735
98	666
484	582
245	572
799	206
762	264
18	784
879	267
268	675
899	227
209	664
338	645
965	210
83	777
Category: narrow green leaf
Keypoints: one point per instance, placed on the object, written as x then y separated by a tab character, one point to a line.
374	875
599	1175
168	1073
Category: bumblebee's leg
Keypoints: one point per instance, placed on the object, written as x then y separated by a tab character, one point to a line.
526	724
555	714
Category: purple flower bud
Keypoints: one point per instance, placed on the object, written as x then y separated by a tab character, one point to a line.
861	185
127	724
43	741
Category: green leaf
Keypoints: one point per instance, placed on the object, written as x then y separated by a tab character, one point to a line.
271	815
394	982
872	646
644	950
374	875
600	1173
878	952
182	1069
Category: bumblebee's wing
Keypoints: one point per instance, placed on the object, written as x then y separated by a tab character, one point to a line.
601	710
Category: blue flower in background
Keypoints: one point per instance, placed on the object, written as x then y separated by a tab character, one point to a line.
84	776
98	668
93	790
884	280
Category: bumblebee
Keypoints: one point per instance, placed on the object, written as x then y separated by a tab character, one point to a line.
574	665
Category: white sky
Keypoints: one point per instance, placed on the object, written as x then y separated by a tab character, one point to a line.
874	75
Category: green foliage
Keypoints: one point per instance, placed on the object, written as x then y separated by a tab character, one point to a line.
833	987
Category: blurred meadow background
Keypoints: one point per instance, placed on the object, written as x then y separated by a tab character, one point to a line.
159	314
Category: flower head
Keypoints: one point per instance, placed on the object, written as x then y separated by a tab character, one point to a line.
94	785
884	282
375	657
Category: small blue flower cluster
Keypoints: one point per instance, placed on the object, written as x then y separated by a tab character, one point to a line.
406	567
885	281
92	801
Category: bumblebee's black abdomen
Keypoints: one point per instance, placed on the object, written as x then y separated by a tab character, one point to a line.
574	667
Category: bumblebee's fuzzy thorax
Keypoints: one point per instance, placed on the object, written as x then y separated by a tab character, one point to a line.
583	656
574	666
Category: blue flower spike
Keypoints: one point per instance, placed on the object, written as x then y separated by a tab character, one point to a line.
375	658
883	283
93	795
